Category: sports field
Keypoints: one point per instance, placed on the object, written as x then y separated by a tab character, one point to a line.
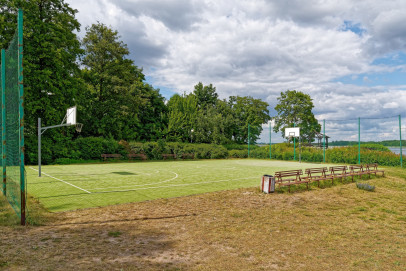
70	187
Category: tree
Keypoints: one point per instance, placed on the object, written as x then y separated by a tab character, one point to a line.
295	107
51	50
206	95
182	114
248	111
116	94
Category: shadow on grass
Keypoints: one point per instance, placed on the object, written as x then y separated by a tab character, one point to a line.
125	220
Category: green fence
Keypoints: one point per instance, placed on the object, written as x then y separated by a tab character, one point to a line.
12	123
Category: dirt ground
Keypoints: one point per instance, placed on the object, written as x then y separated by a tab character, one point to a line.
336	228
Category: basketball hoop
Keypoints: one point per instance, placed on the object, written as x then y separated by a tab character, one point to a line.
78	127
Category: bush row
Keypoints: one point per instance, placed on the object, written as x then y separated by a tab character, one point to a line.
91	148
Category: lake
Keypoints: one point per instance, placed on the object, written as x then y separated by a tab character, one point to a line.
397	150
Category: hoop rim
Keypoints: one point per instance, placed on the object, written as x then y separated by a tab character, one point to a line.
78	127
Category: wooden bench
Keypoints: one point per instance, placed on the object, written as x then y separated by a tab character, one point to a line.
137	155
289	177
373	169
188	156
357	170
338	172
167	155
111	155
318	174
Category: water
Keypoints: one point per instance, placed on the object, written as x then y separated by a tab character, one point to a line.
397	150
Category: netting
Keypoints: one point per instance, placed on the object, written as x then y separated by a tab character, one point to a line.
13	185
12	126
364	140
3	182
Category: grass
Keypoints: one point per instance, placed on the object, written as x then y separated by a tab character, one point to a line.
339	227
71	187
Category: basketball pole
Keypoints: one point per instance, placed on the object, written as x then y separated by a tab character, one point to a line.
270	139
294	145
42	130
324	140
359	140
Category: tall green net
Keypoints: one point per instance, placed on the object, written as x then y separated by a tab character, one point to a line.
12	116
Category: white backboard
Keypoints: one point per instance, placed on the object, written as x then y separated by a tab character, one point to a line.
71	115
292	132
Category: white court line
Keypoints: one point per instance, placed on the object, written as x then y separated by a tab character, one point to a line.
62	181
175	185
134	185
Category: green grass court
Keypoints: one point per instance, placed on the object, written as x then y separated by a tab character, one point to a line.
70	187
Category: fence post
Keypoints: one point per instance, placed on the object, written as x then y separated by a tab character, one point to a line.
359	140
248	140
324	140
400	135
294	145
270	139
21	113
3	118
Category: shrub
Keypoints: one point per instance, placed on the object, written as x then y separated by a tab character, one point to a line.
238	153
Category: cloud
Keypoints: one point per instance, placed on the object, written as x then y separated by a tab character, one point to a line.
263	47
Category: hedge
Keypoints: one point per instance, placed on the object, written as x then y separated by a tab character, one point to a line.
90	148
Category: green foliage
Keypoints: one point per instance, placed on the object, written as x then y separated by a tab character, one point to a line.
238	153
375	147
117	102
205	95
182	114
295	108
248	111
51	74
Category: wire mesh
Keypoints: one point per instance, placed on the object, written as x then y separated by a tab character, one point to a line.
12	126
3	184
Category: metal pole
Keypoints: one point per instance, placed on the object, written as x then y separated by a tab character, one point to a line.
400	135
300	149
248	140
294	145
324	140
21	111
39	147
270	140
3	118
359	140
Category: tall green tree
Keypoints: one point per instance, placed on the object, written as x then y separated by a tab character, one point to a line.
248	111
118	103
182	115
206	95
295	108
51	50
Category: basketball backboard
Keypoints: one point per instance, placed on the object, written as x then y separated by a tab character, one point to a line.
71	115
292	132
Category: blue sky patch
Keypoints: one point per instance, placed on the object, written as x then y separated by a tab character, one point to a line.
397	77
353	27
394	59
165	91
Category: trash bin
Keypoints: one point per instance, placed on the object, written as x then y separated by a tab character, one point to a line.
268	184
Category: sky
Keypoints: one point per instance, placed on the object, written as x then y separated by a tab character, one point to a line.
349	56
